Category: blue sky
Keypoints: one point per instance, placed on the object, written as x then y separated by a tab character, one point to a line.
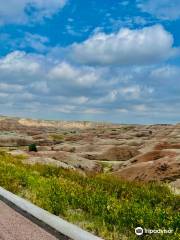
102	60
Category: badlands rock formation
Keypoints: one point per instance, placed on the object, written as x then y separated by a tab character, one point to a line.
132	152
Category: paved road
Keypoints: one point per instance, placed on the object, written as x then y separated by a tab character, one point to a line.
14	226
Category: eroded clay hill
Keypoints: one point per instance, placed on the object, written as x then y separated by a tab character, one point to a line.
133	152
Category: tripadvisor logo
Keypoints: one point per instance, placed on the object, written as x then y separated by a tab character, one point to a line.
139	231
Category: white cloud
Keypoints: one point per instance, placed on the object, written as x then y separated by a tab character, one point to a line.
126	47
122	110
31	84
166	73
162	9
34	41
39	87
140	108
83	76
4	87
93	111
80	100
132	92
19	11
65	109
18	61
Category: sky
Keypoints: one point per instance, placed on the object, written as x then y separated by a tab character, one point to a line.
96	60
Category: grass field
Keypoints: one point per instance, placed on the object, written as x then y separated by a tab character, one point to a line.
101	204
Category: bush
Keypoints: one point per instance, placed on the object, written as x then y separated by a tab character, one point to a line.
32	147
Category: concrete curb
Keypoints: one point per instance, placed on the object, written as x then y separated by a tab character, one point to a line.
56	223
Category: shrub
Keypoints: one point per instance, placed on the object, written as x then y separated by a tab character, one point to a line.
32	147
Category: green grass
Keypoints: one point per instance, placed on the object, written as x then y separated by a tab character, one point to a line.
106	166
104	205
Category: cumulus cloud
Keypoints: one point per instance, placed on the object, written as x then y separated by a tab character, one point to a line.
18	61
19	67
33	84
166	9
69	75
20	11
126	47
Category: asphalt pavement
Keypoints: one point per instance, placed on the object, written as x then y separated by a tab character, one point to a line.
14	226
